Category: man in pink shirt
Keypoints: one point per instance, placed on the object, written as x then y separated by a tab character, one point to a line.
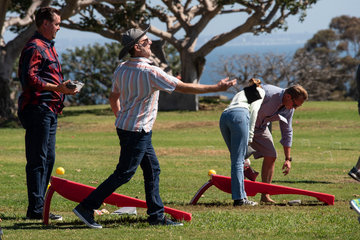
134	101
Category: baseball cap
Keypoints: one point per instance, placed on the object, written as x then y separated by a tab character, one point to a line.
130	38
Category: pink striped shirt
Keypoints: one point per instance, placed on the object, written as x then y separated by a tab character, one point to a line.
138	83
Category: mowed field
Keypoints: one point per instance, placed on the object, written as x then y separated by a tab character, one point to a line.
326	146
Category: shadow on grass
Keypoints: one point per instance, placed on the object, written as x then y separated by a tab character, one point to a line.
223	204
140	222
77	112
301	181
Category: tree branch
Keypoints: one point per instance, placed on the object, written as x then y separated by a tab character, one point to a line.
28	18
223	38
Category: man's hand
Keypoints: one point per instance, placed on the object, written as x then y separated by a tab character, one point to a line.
224	84
286	167
64	89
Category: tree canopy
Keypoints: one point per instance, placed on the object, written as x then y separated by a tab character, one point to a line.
325	66
183	22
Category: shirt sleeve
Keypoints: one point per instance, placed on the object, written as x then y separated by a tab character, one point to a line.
115	83
33	61
286	129
160	80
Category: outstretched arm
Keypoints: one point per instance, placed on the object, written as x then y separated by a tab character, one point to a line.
193	88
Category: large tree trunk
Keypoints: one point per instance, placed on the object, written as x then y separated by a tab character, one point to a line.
8	55
190	73
6	103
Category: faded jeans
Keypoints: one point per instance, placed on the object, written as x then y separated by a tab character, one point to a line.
234	127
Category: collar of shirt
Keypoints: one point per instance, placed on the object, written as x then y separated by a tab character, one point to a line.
273	99
50	43
141	59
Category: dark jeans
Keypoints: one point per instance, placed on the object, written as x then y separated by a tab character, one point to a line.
136	149
40	124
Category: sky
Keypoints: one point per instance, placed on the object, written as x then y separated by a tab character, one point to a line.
318	18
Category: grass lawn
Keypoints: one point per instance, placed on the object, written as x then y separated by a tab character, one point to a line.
325	147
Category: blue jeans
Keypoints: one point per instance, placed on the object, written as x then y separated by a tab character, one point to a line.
40	124
234	127
136	149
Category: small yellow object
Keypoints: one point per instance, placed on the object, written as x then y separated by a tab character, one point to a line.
60	171
211	172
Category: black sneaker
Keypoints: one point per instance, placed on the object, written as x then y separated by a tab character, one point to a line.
167	222
55	217
33	216
355	174
87	216
52	216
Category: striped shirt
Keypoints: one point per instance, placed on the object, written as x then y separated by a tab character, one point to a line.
138	83
272	110
38	65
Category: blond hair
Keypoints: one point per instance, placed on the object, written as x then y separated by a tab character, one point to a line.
253	81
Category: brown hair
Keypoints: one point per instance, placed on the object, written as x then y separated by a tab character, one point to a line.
45	13
253	81
297	91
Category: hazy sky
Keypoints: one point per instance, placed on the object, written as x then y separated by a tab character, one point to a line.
318	17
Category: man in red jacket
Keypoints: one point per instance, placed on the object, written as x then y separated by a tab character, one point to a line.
41	100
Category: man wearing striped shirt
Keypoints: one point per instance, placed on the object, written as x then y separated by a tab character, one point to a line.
134	101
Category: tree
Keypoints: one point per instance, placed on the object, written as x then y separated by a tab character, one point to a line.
326	65
94	66
269	67
184	21
17	16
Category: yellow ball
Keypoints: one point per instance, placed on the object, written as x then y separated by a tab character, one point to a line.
211	172
60	171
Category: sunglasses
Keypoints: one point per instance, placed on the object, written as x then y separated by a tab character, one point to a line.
144	42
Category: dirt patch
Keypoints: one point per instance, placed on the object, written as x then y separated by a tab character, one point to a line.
186	151
183	125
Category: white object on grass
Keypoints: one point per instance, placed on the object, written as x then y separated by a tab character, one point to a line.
126	210
294	202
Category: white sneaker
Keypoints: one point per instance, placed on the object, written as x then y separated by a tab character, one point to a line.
247	202
244	202
355	204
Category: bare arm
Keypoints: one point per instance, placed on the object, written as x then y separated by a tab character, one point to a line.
114	102
193	88
287	164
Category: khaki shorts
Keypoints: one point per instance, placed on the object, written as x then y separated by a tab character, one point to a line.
263	143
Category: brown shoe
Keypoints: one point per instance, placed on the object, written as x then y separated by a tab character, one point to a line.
250	173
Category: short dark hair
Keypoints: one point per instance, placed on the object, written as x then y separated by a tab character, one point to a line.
132	51
45	13
297	91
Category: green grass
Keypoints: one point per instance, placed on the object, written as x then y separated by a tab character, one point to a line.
326	145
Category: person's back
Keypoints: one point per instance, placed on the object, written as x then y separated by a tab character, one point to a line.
139	83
